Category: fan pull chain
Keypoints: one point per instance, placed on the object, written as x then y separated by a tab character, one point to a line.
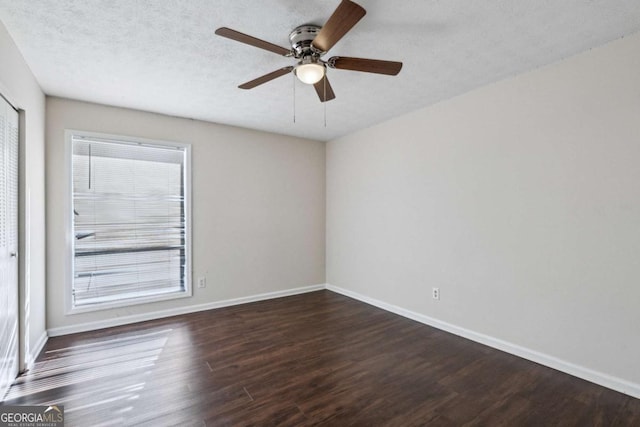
294	97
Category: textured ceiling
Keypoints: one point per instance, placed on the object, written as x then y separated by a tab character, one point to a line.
162	55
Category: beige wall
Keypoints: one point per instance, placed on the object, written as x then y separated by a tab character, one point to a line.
19	86
258	206
520	201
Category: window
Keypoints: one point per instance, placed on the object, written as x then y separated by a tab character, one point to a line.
129	220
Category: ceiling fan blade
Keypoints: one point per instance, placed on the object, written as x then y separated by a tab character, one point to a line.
252	41
343	19
266	78
324	90
377	66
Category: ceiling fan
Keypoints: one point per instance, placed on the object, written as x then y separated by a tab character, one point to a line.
309	43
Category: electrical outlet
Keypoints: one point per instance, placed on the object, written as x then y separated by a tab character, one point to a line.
202	282
435	293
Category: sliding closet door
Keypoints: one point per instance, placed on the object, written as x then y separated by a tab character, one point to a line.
8	245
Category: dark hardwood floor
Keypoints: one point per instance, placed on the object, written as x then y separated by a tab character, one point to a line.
312	359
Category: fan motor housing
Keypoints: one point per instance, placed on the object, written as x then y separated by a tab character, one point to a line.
301	38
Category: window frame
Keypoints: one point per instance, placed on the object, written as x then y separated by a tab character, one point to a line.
69	229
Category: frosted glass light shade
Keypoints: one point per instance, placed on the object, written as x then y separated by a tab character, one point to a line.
310	73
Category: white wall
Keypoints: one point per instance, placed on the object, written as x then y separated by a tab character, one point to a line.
19	86
258	204
520	201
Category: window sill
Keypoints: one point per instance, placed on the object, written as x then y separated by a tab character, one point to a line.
129	302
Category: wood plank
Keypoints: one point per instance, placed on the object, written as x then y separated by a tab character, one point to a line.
313	359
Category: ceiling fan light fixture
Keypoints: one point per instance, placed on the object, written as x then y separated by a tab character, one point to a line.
309	43
310	72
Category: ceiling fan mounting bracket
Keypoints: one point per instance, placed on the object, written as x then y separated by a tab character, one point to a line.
301	38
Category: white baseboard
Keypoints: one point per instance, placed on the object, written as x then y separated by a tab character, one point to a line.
33	354
605	380
142	317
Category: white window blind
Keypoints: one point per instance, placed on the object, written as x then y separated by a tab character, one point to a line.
129	221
